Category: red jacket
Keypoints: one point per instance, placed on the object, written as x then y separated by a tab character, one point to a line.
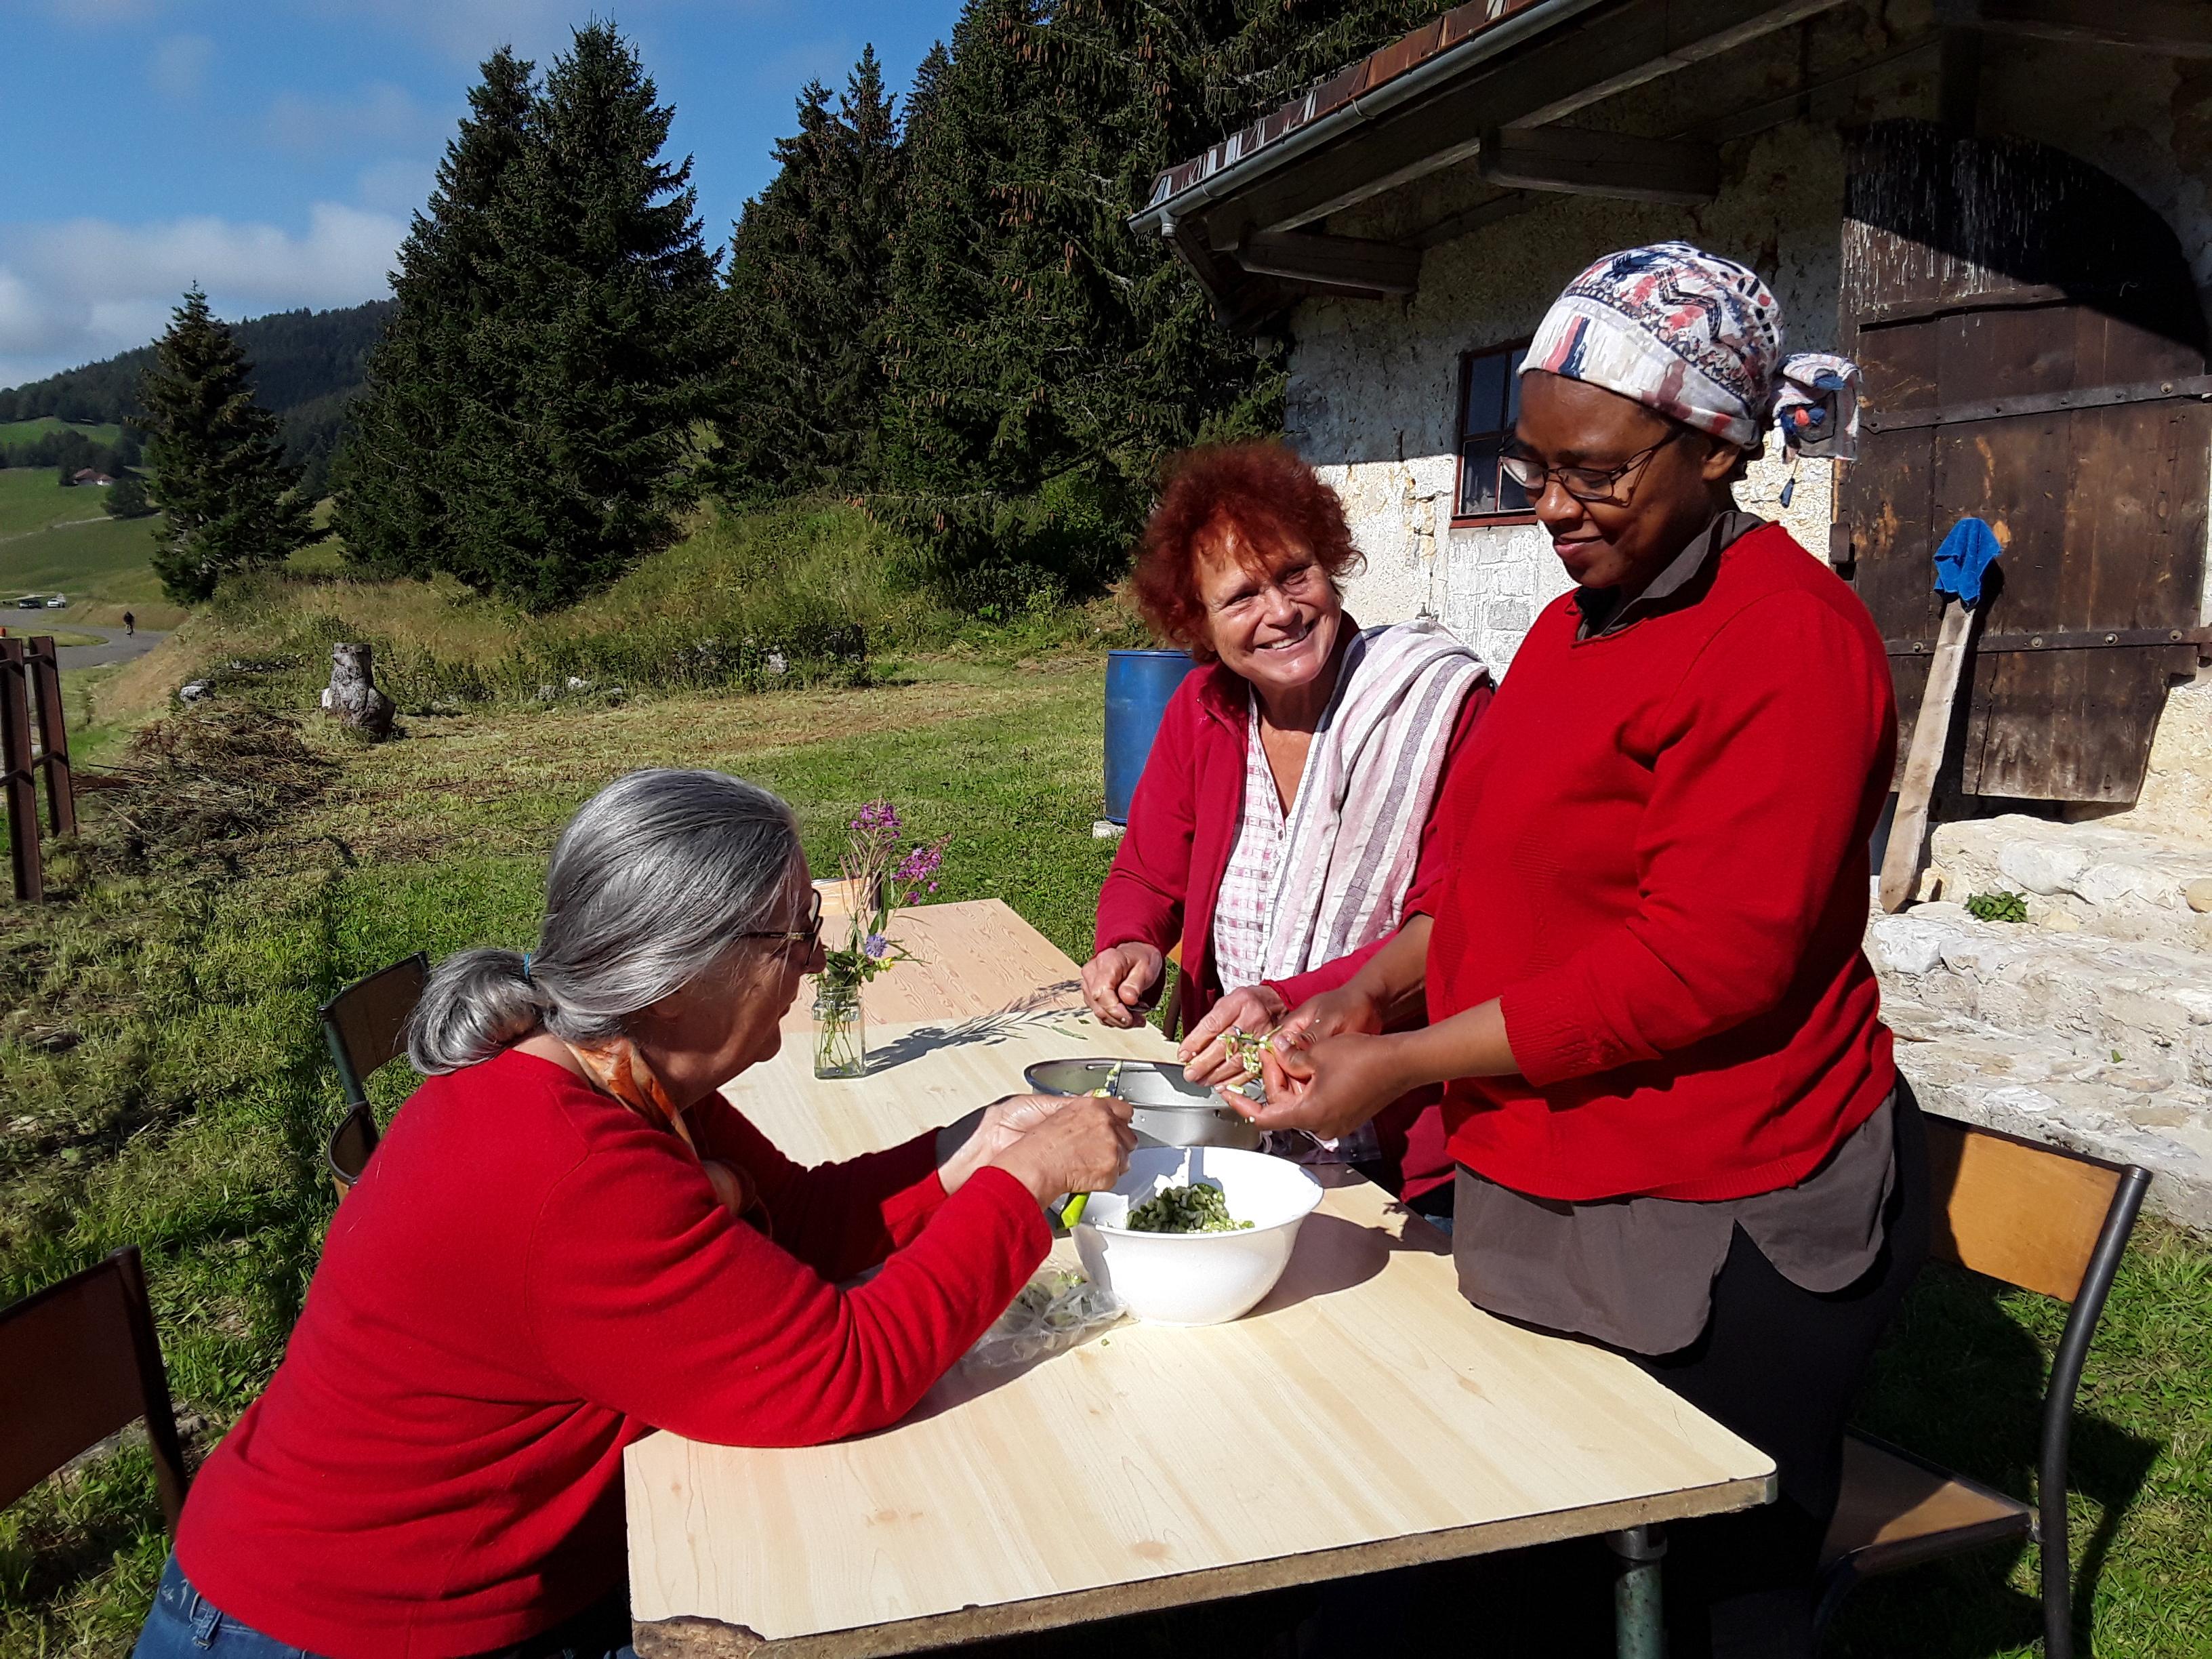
529	1278
1182	825
1666	884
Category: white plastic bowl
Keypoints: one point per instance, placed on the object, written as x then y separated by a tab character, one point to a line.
1197	1278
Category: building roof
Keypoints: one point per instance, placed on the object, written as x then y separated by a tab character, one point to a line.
1356	80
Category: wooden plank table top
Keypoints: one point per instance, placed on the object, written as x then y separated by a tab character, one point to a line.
977	957
1364	1416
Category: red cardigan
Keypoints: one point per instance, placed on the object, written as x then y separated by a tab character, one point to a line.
528	1279
1167	875
1666	884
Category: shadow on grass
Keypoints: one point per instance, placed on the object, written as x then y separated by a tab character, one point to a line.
1960	1379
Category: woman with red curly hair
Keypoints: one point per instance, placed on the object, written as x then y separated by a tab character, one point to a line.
1281	822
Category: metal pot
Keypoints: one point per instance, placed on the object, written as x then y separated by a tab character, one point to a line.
1171	1110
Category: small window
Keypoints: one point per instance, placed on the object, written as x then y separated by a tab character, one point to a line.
1490	402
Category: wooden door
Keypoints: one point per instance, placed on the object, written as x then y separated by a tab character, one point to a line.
2034	355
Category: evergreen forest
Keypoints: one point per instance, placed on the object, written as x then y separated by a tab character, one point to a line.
307	365
935	308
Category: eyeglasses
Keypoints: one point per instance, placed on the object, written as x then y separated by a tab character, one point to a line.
810	935
1585	484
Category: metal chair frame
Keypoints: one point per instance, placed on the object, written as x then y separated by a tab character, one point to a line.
2051	1526
347	1153
68	1314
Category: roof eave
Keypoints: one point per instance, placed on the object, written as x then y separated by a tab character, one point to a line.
1158	216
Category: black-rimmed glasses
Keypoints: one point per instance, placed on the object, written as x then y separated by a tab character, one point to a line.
810	935
1585	484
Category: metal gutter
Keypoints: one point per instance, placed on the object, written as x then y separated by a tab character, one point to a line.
1363	110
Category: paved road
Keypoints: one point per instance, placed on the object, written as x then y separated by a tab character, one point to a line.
115	646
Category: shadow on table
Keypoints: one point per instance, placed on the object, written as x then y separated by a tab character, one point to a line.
1332	1254
984	1031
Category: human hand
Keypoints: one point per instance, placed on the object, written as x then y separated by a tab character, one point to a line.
1082	1145
1205	1058
1330	1087
1332	1013
1118	982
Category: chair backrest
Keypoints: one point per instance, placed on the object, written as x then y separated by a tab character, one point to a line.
365	1024
78	1361
2029	1214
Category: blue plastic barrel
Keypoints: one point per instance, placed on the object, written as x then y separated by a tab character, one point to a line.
1138	686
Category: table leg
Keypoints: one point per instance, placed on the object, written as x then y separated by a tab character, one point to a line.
1639	1630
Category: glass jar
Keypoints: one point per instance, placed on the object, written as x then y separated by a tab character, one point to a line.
840	1032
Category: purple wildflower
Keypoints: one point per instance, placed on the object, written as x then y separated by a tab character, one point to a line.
877	947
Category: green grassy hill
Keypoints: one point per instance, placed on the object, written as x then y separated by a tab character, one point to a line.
29	432
57	540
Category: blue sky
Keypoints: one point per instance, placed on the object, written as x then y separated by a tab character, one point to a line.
273	151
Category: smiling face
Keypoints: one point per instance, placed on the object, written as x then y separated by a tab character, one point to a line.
1656	507
1276	627
731	1016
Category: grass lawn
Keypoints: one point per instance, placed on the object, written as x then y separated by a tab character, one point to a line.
164	1085
56	540
29	432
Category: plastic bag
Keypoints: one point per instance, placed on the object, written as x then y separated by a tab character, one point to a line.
1055	1310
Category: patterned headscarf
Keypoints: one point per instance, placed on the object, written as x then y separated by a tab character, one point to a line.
1698	338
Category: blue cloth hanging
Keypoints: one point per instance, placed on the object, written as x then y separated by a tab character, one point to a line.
1970	549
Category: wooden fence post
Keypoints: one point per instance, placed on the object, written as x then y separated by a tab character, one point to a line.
53	737
21	792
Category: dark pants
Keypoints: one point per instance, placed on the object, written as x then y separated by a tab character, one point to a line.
1780	1367
184	1625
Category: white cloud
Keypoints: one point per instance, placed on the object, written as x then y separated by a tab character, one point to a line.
379	116
179	65
469	31
398	186
75	292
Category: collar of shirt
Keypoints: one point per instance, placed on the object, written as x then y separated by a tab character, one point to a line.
1602	613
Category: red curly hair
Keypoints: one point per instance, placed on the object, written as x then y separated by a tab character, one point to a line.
1262	502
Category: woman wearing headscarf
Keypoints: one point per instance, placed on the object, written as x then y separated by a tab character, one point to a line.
1283	816
1667	1088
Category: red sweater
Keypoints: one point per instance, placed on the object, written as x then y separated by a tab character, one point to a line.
1167	875
1666	884
528	1279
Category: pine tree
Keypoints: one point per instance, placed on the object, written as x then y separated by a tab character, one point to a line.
809	280
402	463
605	306
228	499
1042	359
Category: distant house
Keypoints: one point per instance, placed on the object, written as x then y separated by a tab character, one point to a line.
88	476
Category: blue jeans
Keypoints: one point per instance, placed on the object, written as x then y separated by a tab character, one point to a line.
184	1625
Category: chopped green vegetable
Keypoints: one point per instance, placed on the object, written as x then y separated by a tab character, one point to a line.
1245	1048
1999	906
1200	1208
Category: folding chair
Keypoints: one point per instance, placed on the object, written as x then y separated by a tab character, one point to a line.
365	1026
2040	1219
77	1362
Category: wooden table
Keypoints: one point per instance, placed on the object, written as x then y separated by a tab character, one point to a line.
1364	1417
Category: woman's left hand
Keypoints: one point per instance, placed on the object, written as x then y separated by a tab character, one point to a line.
1205	1058
1004	1122
1329	1088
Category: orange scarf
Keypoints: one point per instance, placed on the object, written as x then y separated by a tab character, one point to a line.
620	1071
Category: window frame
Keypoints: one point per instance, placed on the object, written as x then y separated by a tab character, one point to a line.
1460	434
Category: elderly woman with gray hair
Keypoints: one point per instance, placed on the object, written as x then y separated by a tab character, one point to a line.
569	1239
